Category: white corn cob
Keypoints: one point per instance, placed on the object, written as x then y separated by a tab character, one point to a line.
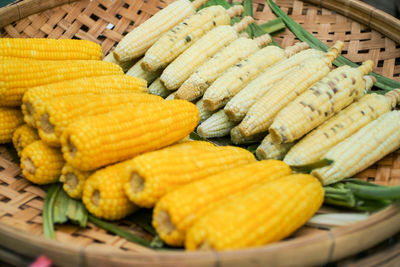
126	65
362	149
136	42
204	113
239	139
138	72
236	77
260	115
182	36
270	150
171	96
210	70
158	88
321	101
183	66
238	106
217	125
314	145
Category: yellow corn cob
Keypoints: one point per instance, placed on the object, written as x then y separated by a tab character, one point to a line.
23	136
204	113
20	75
138	72
103	193
49	49
59	112
260	115
362	149
152	175
10	120
315	144
96	141
268	149
183	66
126	65
260	215
41	164
217	125
73	180
238	106
158	88
210	70
176	212
320	102
238	138
32	101
136	42
235	78
182	36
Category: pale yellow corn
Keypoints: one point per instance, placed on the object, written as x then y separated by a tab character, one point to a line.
320	102
210	70
182	36
268	149
126	65
235	78
204	113
158	88
138	72
217	125
183	66
136	42
238	138
362	149
261	114
314	145
171	96
238	106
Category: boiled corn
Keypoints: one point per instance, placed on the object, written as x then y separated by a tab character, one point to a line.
217	125
10	120
268	149
23	136
73	180
137	71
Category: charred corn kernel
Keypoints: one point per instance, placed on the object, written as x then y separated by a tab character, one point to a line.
359	151
238	106
41	164
10	120
136	42
209	71
73	180
182	36
23	136
158	88
20	75
260	215
235	78
217	125
268	149
96	141
239	139
261	114
138	72
315	144
103	193
204	113
49	49
32	101
171	96
176	212
183	66
156	173
126	65
320	102
59	112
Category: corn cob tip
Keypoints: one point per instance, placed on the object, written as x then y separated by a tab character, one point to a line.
369	81
242	25
333	52
164	222
198	3
294	49
235	11
366	67
263	40
29	166
136	183
394	97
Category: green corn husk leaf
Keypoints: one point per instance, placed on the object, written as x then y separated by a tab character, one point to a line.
309	167
48	207
383	83
142	218
67	208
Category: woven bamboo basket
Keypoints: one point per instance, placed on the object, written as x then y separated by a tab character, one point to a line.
368	34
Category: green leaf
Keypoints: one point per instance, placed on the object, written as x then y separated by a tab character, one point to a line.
374	192
48	223
383	83
143	219
60	207
273	26
309	167
67	208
